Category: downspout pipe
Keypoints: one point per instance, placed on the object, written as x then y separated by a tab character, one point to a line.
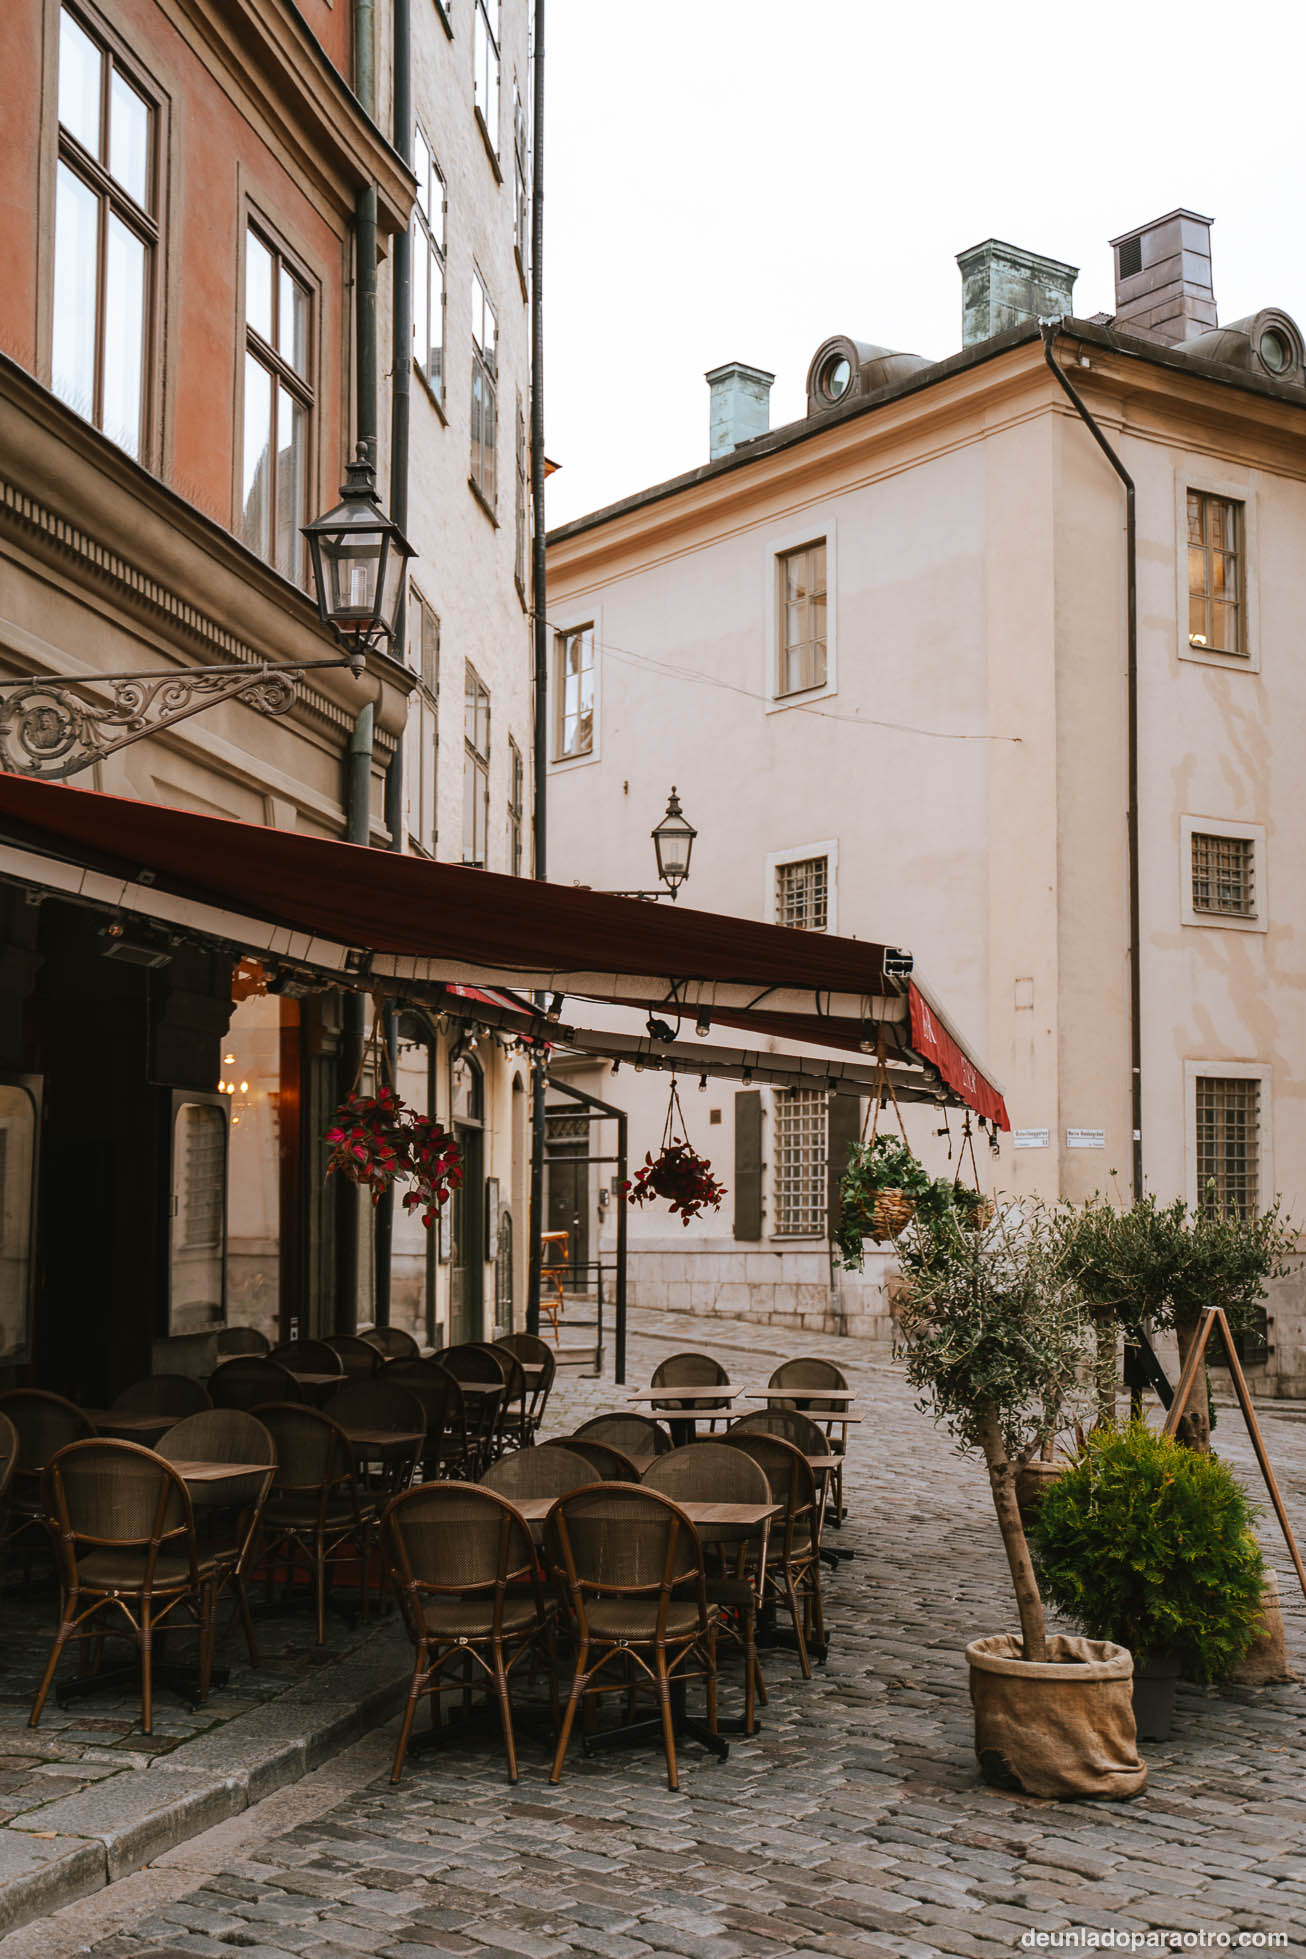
540	625
358	787
1049	330
365	55
400	406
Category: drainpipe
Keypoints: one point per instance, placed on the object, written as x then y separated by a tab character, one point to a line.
358	785
365	54
540	623
400	402
1049	330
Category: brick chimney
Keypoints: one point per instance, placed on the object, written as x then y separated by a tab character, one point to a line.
1163	279
1003	286
740	405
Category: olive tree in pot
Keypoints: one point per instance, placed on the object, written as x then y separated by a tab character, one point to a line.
1147	1542
993	1331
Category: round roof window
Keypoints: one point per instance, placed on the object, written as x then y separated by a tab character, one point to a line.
1274	351
836	377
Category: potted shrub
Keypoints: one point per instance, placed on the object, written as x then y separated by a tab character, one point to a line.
1148	1543
993	1333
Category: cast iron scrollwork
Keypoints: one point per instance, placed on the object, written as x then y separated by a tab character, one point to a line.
53	729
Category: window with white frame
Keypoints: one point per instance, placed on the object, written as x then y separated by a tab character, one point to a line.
523	527
278	406
573	693
521	180
485	407
516	807
1224	875
485	56
476	770
429	266
106	237
1215	573
1228	1144
799	1143
422	732
802	619
802	894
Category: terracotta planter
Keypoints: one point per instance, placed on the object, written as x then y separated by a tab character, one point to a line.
1062	1728
1033	1481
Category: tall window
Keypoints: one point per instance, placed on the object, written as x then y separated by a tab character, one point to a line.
476	770
516	807
1215	573
484	381
422	732
802	894
521	180
485	55
800	1143
523	529
428	267
1224	875
1228	1145
278	407
574	693
106	238
802	619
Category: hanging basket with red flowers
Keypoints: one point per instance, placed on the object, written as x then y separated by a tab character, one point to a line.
378	1141
677	1174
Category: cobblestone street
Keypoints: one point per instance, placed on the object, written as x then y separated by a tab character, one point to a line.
853	1825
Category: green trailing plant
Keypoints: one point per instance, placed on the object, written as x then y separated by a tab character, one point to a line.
884	1164
1167	1263
992	1332
1148	1543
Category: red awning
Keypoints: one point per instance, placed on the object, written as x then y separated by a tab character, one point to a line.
402	918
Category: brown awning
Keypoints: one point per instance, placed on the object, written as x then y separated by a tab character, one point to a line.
402	919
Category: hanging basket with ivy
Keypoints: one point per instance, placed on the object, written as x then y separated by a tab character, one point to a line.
377	1141
677	1174
886	1185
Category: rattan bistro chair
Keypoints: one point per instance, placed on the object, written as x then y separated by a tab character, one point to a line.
250	1380
536	1354
8	1454
234	1340
691	1370
391	1342
386	1405
462	1565
359	1358
551	1469
448	1449
125	1538
227	1513
163	1394
483	1377
608	1464
634	1435
793	1557
316	1514
510	1428
806	1377
709	1472
44	1423
632	1566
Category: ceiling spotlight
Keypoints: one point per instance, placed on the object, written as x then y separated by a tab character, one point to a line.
659	1030
554	1009
702	1084
702	1027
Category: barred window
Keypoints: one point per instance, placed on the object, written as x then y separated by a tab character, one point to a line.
800	1147
802	894
1224	875
1215	573
802	650
1228	1145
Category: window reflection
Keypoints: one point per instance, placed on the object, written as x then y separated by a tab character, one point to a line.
199	1217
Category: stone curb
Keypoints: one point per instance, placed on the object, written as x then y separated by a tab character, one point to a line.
66	1849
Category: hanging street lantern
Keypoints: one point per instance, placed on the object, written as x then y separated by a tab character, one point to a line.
359	555
673	841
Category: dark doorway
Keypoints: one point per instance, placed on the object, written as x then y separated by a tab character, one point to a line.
567	1148
467	1226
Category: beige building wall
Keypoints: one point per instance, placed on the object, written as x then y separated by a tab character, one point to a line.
977	578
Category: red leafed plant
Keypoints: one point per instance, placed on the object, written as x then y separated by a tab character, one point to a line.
436	1167
677	1173
369	1134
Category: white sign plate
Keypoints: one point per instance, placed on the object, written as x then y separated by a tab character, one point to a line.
1085	1139
1030	1139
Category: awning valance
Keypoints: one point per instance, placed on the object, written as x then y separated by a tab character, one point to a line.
386	918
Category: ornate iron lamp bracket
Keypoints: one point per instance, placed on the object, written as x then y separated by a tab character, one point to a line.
52	729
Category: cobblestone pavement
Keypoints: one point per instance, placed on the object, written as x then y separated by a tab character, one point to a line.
854	1825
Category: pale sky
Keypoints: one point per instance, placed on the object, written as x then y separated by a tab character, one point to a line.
738	179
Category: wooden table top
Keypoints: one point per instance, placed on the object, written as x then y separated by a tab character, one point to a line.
668	1397
130	1423
217	1472
803	1394
393	1439
316	1380
744	1516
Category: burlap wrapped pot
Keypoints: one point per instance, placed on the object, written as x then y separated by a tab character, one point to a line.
1064	1727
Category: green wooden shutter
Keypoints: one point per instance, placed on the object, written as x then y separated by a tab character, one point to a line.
748	1164
845	1128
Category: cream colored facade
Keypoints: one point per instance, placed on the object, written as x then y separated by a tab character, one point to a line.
964	768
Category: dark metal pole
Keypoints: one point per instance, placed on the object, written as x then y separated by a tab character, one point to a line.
400	406
358	787
1049	329
540	624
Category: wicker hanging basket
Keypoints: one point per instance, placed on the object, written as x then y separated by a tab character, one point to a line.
891	1212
